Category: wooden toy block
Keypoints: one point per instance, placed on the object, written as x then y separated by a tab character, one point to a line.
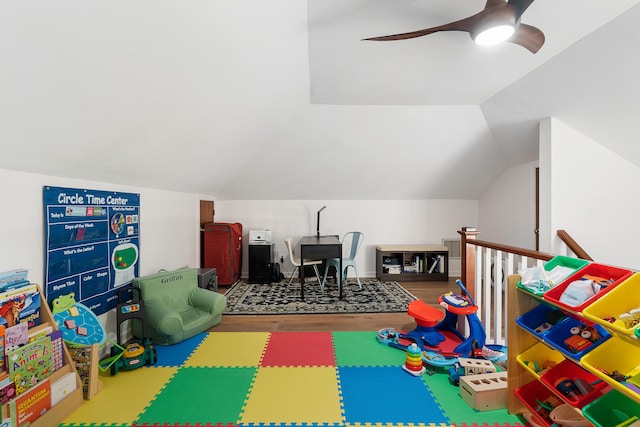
476	366
81	331
73	311
70	324
485	392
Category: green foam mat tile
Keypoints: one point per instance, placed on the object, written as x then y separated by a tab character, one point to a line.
457	409
364	349
201	395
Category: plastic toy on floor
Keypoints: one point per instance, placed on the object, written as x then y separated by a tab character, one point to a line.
132	355
463	305
431	323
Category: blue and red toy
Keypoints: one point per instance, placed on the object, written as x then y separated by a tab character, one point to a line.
431	323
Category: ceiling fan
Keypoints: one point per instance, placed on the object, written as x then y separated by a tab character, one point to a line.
498	21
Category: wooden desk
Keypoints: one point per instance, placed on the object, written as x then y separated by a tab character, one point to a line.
323	247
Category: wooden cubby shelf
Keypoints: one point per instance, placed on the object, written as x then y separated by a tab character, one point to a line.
412	262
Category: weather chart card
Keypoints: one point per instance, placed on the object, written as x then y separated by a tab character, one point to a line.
92	244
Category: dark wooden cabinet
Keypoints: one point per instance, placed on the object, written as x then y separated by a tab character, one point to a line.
412	262
260	263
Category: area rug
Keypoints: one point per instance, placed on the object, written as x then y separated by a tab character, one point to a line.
278	298
294	379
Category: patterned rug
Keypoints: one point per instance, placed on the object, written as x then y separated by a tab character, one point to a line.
278	298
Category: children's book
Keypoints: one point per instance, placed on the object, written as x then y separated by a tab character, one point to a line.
30	364
43	329
20	305
3	367
7	391
63	387
57	352
31	404
13	278
16	336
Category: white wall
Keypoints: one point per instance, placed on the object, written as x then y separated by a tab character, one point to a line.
169	224
381	221
506	211
590	192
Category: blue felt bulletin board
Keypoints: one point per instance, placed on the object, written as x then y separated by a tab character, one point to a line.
92	244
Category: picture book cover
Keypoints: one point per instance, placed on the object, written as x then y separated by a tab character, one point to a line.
31	404
16	336
7	391
57	352
30	364
20	305
63	387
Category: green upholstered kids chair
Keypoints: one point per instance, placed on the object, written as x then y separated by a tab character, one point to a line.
356	238
175	307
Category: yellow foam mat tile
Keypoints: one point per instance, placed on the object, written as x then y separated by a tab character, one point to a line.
123	396
294	395
229	349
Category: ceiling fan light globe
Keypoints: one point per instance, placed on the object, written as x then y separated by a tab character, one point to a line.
494	35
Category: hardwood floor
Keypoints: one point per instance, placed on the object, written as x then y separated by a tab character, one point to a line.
426	291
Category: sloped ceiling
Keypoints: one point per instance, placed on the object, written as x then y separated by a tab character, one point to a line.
247	99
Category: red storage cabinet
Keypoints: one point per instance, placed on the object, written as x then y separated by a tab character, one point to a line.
223	250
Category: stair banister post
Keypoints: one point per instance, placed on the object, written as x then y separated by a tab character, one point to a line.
468	258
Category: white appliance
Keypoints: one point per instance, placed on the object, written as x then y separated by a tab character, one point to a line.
258	237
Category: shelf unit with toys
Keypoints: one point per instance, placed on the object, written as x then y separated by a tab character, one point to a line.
547	364
70	397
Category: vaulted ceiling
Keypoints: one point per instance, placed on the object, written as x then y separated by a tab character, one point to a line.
281	99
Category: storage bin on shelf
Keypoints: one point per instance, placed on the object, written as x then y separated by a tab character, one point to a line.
564	379
574	346
617	356
539	400
538	358
540	319
624	299
616	276
612	410
567	416
558	269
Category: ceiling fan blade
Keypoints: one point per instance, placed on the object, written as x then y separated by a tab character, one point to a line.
491	3
520	6
413	34
529	37
466	24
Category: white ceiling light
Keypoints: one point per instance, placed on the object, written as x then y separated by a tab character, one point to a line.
494	35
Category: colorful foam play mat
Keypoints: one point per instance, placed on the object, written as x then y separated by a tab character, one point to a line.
281	379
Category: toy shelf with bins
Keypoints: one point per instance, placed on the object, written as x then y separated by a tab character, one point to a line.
58	413
412	262
530	346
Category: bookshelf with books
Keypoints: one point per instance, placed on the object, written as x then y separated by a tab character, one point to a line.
412	262
39	383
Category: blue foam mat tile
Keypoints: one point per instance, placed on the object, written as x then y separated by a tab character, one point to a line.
387	395
175	355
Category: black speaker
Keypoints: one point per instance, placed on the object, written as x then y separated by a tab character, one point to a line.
260	263
208	279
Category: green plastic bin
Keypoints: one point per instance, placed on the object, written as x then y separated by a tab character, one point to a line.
612	410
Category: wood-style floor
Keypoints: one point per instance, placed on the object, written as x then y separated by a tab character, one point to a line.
426	291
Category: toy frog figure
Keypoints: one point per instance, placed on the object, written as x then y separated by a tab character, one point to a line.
63	303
